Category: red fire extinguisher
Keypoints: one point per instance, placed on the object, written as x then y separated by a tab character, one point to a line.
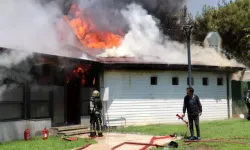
45	134
27	134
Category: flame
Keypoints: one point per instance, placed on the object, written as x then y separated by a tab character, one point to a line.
88	34
94	81
80	73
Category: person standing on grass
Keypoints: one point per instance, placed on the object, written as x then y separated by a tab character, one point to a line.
194	109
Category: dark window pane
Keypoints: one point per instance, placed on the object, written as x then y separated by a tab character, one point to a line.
175	81
85	108
11	111
12	93
58	105
153	80
205	81
219	81
39	109
39	92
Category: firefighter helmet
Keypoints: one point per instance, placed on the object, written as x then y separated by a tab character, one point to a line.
96	93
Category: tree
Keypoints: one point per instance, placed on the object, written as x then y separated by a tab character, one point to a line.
231	21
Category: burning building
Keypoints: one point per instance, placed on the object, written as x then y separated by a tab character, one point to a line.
135	89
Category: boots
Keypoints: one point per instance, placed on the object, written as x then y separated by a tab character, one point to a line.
92	134
100	134
192	138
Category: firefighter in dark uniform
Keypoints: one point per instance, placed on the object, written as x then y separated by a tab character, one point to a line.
95	114
247	101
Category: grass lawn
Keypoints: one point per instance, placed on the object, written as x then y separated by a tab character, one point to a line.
227	129
37	143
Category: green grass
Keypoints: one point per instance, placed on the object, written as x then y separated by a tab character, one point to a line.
227	129
37	143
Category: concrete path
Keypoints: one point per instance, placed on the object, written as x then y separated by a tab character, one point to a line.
110	140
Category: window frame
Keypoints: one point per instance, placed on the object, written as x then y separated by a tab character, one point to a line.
207	80
177	80
37	101
222	81
153	80
22	103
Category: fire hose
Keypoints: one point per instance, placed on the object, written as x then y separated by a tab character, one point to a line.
156	138
181	117
215	140
186	122
146	145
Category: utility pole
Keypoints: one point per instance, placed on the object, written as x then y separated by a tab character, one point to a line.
187	29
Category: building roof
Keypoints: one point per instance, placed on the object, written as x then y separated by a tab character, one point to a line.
137	64
109	62
132	62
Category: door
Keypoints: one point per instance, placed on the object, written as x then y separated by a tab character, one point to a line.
73	105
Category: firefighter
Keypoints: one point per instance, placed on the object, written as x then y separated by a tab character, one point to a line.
95	114
247	101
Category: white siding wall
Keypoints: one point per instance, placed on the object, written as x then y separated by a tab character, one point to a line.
133	97
246	76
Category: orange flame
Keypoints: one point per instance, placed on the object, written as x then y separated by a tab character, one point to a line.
80	73
87	32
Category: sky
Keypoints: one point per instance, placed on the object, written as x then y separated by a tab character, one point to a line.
196	5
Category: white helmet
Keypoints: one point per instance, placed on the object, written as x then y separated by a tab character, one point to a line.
96	93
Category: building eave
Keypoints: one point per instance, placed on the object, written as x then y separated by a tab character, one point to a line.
172	67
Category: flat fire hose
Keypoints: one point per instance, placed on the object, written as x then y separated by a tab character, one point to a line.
136	143
215	140
146	145
153	139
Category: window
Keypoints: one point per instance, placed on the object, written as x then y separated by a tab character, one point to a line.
12	103
39	102
205	81
175	81
220	81
153	80
192	81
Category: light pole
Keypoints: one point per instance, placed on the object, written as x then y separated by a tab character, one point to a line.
187	29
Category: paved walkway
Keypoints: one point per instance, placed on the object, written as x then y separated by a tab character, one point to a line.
110	140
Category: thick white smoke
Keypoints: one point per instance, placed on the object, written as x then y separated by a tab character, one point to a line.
27	27
145	40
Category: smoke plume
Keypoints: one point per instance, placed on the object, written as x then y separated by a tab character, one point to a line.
26	27
33	27
106	14
144	38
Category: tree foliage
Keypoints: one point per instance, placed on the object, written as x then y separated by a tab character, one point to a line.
232	21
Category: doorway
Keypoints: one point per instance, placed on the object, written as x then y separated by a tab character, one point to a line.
79	87
73	109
